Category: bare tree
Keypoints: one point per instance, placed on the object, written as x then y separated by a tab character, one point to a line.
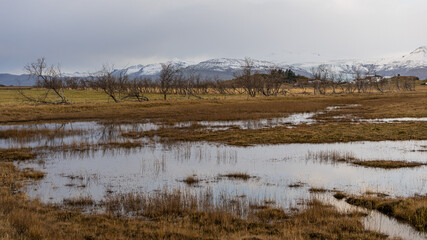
246	79
322	78
113	84
48	77
167	77
272	83
71	83
138	88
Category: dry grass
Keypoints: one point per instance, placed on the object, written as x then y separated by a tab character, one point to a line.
33	174
317	190
236	175
315	133
191	180
296	185
170	111
412	210
335	156
410	104
79	201
339	195
388	164
10	155
126	144
331	156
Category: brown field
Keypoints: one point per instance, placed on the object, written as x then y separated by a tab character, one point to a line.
405	104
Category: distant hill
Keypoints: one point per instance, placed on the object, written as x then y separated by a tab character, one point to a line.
412	64
16	80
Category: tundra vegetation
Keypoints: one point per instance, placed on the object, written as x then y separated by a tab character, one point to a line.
112	97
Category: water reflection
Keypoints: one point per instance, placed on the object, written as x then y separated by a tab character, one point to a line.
156	165
277	169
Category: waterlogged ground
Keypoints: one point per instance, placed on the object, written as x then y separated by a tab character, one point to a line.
282	174
272	169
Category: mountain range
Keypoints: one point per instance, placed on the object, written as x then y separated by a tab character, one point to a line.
412	64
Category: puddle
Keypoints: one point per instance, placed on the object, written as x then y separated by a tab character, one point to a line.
393	120
293	119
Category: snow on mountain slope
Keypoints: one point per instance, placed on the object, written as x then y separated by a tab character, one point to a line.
221	64
222	68
416	59
412	64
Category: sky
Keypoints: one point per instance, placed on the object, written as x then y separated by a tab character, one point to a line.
82	35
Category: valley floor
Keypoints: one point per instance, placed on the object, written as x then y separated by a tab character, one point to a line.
336	118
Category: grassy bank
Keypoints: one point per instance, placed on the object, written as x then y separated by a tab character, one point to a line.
412	210
316	133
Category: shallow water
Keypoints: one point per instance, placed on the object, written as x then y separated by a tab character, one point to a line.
84	132
93	132
157	166
99	132
293	119
393	120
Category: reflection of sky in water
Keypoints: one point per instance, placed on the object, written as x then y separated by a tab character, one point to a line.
94	132
156	166
163	166
85	132
293	119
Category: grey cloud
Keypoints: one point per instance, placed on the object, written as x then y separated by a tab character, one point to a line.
83	34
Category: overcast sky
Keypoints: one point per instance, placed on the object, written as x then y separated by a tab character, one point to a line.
81	35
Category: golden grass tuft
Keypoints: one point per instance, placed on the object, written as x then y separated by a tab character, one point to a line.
33	174
318	190
191	180
388	164
339	195
237	175
16	155
79	201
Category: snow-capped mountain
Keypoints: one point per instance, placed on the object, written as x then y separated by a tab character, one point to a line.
412	64
150	70
221	68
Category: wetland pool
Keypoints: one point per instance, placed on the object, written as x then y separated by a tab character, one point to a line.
283	173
